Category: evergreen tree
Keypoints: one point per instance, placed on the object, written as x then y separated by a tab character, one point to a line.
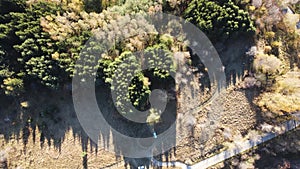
218	20
27	48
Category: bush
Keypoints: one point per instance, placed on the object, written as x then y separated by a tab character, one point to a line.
285	95
153	117
13	86
267	64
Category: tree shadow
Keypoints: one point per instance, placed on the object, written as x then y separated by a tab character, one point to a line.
238	66
49	116
233	56
138	130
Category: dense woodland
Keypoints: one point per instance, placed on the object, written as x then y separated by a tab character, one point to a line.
40	41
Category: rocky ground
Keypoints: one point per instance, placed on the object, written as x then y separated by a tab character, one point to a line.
237	117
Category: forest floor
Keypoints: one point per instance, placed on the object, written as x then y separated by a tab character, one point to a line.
39	139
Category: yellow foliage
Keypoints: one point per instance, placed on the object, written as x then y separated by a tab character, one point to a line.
285	96
276	44
251	8
6	81
55	56
49	18
9	88
153	117
267	49
146	81
262	10
270	34
278	103
12	85
24	104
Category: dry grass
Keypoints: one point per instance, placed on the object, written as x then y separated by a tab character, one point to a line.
285	95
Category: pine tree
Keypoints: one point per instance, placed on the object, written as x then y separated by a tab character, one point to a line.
218	20
27	48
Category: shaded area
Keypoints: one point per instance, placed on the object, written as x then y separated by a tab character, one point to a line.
50	115
137	130
48	111
283	151
234	58
278	153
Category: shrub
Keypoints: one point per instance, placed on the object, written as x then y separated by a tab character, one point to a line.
267	64
153	117
276	44
13	86
285	95
270	34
